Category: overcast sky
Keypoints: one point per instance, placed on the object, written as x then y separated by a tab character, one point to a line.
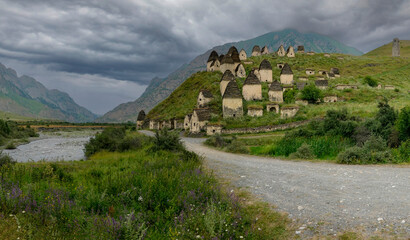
105	52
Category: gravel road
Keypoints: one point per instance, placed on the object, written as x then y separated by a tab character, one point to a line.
321	197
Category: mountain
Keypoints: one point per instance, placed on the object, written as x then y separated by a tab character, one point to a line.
27	97
159	89
386	50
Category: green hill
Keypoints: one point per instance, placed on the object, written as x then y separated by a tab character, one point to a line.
159	89
386	50
353	69
27	97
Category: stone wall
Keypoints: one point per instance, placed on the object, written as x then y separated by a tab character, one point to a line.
286	79
276	96
265	75
265	128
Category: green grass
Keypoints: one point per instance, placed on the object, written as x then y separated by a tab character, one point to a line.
14	117
386	50
159	195
363	101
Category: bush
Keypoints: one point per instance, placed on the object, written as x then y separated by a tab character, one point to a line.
361	135
6	160
217	141
370	81
311	93
108	140
352	155
11	146
167	140
404	152
403	124
303	152
289	96
237	146
375	144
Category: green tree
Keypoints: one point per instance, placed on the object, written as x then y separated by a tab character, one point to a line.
289	96
311	93
403	124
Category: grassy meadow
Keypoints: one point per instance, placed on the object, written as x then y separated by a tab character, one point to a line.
151	188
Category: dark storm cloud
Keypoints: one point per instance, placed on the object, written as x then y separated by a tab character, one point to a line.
135	40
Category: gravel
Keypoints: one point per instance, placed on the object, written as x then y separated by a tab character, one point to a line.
322	198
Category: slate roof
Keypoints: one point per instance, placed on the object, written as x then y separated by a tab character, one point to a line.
256	48
275	86
300	85
228	76
232	50
189	116
213	56
321	83
301	48
203	114
265	65
206	93
227	60
235	57
264	48
286	69
252	79
232	91
237	67
331	74
335	70
141	116
221	57
213	62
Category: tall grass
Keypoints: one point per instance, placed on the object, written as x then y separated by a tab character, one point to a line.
129	195
323	147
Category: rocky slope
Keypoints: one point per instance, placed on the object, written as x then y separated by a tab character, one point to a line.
27	97
159	89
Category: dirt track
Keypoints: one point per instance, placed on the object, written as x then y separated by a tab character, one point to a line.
322	197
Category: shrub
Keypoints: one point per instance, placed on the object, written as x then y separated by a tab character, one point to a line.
311	93
386	114
108	140
375	144
11	146
403	124
361	135
404	152
217	141
351	155
167	140
289	96
370	81
303	152
237	146
5	160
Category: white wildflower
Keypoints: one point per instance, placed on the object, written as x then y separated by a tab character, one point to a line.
140	198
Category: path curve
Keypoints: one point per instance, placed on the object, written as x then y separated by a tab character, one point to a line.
328	197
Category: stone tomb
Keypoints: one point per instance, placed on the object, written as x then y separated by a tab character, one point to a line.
290	52
255	111
200	117
288	111
256	51
272	107
275	92
242	55
204	97
232	104
213	129
286	75
140	119
265	70
252	88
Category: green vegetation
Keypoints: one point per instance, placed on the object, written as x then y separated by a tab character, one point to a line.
359	70
143	193
386	50
340	136
10	131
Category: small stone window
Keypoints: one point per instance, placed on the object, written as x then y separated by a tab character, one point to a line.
234	115
213	131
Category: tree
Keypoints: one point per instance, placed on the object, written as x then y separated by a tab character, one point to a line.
311	93
289	96
403	124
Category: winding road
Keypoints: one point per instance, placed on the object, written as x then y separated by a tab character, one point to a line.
320	198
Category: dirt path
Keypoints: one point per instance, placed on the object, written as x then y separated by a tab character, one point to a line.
322	197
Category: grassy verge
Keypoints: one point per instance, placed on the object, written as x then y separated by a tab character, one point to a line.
153	189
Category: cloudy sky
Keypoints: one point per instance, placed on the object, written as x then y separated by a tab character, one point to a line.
105	52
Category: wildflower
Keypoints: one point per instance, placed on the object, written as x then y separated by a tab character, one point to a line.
259	229
11	215
240	236
140	198
197	236
23	211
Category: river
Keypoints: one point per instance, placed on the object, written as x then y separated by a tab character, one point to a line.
56	146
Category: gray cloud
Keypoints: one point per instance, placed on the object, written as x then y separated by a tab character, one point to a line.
136	40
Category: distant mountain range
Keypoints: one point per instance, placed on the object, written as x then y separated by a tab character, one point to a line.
27	97
159	89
